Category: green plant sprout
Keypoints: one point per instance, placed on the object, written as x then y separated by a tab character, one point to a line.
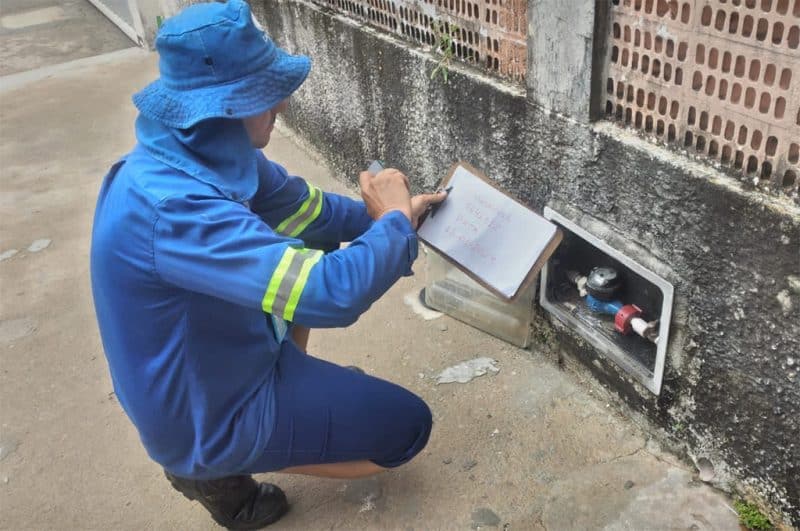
751	517
445	44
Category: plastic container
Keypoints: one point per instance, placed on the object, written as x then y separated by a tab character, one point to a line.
450	291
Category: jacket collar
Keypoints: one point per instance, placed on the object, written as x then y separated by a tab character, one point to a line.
217	152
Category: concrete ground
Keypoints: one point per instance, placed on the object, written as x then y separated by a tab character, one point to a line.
38	33
530	447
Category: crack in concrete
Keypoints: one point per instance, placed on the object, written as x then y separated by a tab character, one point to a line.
618	457
666	462
541	521
643	449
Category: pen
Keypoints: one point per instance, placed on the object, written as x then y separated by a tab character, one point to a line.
432	209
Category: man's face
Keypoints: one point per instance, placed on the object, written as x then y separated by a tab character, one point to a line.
259	127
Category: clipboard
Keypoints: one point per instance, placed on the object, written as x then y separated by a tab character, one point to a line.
476	227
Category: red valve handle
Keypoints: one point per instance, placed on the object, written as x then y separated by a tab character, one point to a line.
622	321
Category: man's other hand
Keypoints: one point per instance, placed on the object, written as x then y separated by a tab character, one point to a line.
384	192
421	203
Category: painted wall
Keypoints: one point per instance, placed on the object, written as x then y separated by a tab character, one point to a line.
732	382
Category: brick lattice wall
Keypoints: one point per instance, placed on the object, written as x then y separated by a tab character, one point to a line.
718	77
490	34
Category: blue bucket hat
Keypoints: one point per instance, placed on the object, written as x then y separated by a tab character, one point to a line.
215	61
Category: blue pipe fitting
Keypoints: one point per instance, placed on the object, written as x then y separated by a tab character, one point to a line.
606	307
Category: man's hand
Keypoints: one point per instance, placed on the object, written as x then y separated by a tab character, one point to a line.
385	192
420	204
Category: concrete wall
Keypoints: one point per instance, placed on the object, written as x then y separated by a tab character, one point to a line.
732	387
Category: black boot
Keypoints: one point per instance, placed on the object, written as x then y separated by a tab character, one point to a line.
235	502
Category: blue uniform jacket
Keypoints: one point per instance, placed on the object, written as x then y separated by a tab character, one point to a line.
200	246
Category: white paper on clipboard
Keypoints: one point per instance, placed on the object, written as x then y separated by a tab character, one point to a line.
487	233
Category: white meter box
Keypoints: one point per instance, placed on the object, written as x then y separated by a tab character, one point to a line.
572	290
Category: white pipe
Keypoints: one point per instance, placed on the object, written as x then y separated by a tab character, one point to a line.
644	329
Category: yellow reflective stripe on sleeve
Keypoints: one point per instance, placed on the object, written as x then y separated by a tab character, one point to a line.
288	281
314	214
274	283
295	224
300	284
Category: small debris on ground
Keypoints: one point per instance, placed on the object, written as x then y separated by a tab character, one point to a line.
5	255
7	446
14	329
467	370
364	492
705	469
447	460
443	327
469	465
413	301
39	245
484	517
629	485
